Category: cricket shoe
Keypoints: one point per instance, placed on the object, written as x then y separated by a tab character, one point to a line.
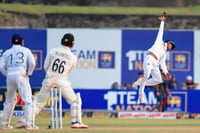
79	125
31	127
6	126
20	124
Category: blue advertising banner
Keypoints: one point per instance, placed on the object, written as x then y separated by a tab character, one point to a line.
34	40
135	44
123	100
127	100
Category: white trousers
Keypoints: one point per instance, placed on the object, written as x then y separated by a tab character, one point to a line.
66	89
17	82
151	67
67	92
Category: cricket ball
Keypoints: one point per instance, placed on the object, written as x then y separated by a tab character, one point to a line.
164	13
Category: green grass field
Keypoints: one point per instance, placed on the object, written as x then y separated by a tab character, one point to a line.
104	124
42	9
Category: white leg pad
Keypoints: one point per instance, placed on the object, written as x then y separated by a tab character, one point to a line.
7	112
33	109
29	117
76	112
28	113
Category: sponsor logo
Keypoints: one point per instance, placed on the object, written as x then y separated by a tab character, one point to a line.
183	116
128	101
139	115
125	115
175	101
106	59
195	116
136	57
155	115
178	102
37	54
181	60
91	59
18	113
86	59
148	115
169	115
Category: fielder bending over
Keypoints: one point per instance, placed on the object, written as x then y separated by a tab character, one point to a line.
58	65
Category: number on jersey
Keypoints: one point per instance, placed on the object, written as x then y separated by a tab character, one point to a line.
58	66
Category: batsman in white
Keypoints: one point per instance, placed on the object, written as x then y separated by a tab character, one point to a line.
58	65
155	58
17	64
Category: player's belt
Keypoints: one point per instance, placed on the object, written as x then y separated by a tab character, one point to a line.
152	54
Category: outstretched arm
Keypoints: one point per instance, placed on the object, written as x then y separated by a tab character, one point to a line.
161	29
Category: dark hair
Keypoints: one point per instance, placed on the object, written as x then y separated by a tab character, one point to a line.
173	44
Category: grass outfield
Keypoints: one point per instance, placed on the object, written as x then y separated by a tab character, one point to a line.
42	9
103	124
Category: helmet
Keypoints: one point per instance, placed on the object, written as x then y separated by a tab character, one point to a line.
173	44
17	39
68	40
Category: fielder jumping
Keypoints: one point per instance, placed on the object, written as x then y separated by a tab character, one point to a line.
156	57
58	65
13	65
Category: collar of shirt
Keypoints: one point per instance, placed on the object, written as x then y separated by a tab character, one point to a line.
66	47
16	45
